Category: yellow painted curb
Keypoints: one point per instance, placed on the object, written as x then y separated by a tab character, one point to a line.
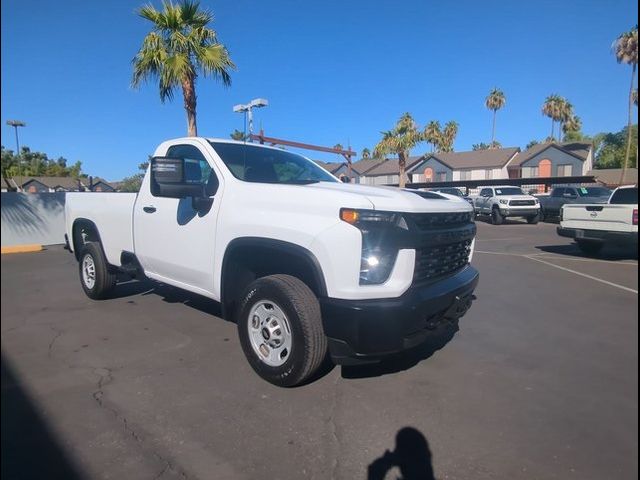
21	249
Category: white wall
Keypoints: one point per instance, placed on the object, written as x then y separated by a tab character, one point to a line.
32	218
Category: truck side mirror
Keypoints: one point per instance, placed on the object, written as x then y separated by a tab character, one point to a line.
168	180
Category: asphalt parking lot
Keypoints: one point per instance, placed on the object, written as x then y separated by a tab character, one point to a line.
540	381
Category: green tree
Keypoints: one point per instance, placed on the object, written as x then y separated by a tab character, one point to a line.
480	146
494	102
626	51
432	133
610	148
134	182
177	50
552	108
366	153
400	140
448	137
532	143
238	135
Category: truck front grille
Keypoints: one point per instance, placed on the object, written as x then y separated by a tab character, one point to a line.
437	261
522	203
426	221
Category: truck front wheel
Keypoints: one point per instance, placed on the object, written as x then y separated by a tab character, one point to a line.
95	276
496	216
280	330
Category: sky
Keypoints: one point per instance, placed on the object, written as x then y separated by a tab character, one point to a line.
333	72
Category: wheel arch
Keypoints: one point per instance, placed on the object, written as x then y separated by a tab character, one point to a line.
76	231
248	258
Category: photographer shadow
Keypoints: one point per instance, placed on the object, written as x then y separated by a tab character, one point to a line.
411	456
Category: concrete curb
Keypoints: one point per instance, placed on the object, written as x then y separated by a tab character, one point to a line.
22	249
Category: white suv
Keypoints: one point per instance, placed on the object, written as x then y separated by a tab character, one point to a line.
506	201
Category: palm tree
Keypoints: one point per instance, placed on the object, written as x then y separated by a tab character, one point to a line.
565	114
238	135
432	133
448	136
572	124
366	153
177	50
552	108
494	102
400	140
626	51
634	97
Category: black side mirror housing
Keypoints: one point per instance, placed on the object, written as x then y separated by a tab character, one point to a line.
168	180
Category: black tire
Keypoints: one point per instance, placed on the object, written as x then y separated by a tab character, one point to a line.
590	247
103	278
533	219
302	311
496	217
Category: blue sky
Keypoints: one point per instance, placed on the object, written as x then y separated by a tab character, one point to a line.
333	72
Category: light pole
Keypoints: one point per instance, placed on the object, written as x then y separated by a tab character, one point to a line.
15	124
248	111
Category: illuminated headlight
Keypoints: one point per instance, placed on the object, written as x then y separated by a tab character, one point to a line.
360	218
376	266
504	202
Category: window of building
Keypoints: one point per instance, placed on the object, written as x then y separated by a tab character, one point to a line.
441	176
465	174
565	170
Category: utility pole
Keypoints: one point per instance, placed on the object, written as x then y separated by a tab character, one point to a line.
16	124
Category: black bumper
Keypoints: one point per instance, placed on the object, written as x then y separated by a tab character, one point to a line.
617	238
366	330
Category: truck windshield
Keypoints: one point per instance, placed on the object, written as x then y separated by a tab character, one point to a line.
509	191
252	163
625	196
593	192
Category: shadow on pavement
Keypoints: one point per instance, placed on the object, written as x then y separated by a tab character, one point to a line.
610	252
404	360
411	456
29	449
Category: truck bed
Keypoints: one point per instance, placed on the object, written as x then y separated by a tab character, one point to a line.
613	218
112	212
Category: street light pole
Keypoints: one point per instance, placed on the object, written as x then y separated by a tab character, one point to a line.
247	109
16	124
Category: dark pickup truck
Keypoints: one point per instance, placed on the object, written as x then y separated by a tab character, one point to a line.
552	204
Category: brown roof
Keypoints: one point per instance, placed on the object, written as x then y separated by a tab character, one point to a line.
366	164
611	176
390	166
329	167
577	149
67	183
496	157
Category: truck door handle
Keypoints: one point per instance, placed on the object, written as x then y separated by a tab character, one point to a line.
149	209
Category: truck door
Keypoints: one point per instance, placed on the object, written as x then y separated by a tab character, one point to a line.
173	241
483	199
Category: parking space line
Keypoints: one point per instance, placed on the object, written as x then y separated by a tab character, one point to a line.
591	277
592	260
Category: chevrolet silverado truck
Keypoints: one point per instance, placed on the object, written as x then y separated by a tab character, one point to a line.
550	205
503	202
596	225
304	264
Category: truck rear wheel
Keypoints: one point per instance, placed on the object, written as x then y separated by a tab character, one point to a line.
280	330
95	276
590	247
496	217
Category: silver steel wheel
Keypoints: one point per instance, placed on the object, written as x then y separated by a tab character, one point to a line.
88	271
269	333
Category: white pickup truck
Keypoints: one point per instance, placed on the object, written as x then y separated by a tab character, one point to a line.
304	263
593	226
501	202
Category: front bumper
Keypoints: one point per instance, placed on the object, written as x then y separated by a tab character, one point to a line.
507	211
361	331
617	238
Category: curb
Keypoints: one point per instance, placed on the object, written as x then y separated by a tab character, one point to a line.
22	249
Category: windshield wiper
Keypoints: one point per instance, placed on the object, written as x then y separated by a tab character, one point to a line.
300	182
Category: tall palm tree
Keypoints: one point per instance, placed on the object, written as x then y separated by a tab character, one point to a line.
178	49
404	136
432	133
565	114
448	136
552	108
626	51
494	102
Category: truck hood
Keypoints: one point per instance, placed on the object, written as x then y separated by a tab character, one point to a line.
392	198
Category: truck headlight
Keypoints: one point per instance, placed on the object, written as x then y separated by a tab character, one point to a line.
376	265
379	250
504	202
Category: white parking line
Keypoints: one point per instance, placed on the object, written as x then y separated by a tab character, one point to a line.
621	287
592	260
591	277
